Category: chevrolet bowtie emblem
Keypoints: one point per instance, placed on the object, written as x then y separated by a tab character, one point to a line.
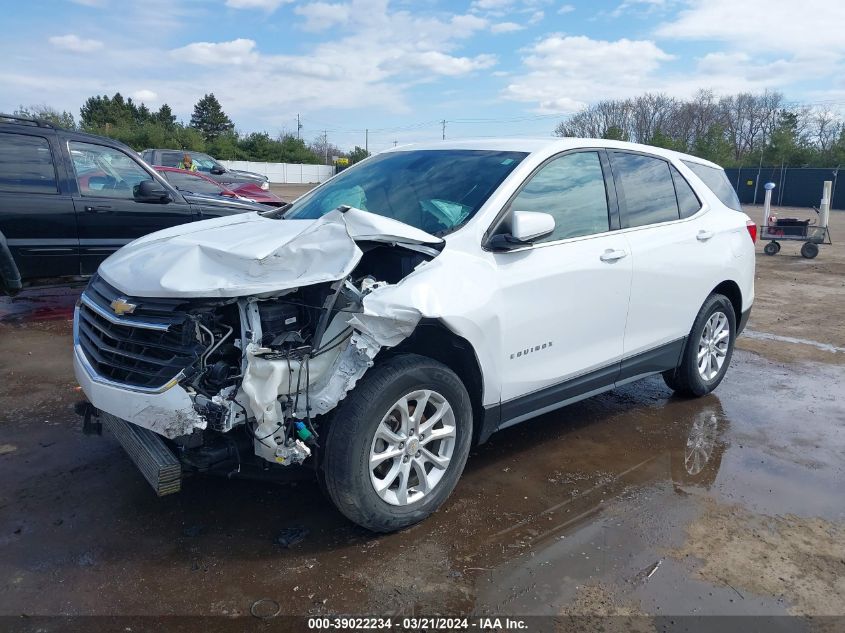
121	306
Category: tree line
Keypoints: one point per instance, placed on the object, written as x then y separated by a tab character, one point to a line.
210	130
731	130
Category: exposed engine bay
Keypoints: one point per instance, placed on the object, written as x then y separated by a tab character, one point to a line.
274	364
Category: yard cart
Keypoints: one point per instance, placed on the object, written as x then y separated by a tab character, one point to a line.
789	229
811	232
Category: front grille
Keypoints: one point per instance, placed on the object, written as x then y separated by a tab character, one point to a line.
129	354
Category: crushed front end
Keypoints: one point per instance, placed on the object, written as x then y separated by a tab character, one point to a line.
235	385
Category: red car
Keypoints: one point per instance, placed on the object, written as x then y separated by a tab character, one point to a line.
196	182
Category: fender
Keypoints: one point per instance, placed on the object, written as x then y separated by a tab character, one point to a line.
10	276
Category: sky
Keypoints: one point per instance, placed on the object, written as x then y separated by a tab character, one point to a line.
399	68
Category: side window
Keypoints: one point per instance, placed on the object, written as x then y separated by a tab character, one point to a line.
717	181
104	172
571	189
645	186
688	202
171	159
26	164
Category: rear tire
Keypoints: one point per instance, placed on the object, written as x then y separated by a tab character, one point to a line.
379	418
809	250
708	349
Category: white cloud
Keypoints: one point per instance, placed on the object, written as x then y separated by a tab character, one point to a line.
566	8
536	17
91	3
265	5
506	27
75	44
373	55
812	27
323	15
442	64
639	6
491	5
235	53
566	72
145	96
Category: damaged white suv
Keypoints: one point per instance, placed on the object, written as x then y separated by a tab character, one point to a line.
409	307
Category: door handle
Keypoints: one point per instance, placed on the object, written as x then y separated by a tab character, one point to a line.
703	235
611	255
103	209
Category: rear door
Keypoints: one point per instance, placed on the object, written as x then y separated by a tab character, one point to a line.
36	211
108	215
675	259
564	300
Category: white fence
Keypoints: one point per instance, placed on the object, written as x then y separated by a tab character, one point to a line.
284	172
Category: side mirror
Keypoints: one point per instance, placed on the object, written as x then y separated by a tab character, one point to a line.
151	191
217	171
526	227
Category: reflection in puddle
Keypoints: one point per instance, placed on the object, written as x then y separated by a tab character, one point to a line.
42	304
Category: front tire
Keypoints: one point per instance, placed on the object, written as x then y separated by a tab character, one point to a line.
708	350
772	248
398	443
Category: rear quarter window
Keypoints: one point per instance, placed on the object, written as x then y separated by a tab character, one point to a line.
26	164
717	181
645	188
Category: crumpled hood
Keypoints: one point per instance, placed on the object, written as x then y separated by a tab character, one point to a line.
248	254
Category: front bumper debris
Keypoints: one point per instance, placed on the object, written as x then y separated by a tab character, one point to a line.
156	462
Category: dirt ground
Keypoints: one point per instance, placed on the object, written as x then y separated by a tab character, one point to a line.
631	503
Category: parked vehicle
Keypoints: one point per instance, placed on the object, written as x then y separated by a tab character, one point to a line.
205	164
410	307
68	200
200	184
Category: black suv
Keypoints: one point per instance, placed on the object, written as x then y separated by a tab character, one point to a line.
68	200
206	164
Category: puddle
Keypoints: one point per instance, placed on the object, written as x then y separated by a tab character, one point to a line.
43	304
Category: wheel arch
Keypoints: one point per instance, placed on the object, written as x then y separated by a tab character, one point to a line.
433	339
730	289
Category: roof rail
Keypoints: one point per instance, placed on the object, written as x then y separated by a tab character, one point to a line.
25	120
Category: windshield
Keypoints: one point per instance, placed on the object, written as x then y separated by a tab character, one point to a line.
192	184
205	162
436	191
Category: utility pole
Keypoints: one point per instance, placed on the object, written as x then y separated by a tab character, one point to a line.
443	123
367	141
298	127
326	143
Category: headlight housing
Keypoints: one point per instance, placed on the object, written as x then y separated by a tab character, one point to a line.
265	185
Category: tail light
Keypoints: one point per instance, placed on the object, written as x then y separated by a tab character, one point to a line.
752	230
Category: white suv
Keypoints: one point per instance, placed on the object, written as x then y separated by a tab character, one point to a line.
408	308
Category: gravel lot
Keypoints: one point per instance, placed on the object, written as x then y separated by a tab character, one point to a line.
600	508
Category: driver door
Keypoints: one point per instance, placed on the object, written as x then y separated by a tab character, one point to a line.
564	298
108	215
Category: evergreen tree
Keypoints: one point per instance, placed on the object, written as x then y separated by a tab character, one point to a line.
358	154
615	133
209	118
165	116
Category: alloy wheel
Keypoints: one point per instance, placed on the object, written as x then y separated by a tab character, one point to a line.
713	345
412	447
